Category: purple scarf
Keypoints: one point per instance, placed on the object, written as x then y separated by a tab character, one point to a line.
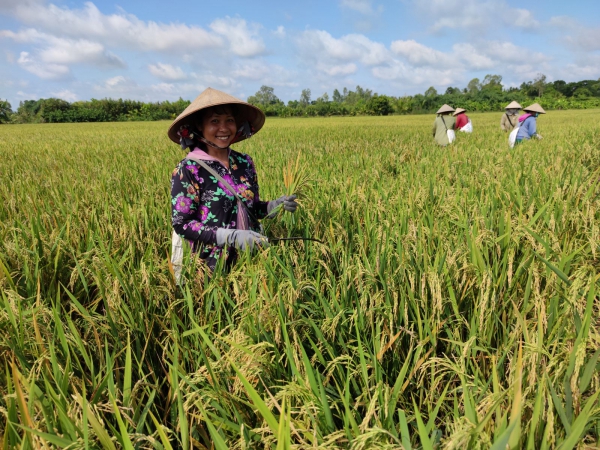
525	117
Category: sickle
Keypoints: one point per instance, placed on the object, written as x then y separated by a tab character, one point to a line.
296	238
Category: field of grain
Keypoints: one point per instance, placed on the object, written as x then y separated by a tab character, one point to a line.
453	303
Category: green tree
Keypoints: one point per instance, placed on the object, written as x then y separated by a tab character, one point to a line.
492	82
431	92
380	105
337	97
474	86
323	98
539	84
265	96
53	109
5	111
560	86
363	94
305	97
582	93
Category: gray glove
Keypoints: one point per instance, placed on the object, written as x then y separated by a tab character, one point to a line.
288	201
241	239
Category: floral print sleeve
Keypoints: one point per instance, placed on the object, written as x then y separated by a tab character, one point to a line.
189	217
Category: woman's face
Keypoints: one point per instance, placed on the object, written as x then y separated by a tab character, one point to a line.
218	127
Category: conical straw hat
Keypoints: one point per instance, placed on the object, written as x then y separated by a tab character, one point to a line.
535	108
212	97
444	109
513	105
458	111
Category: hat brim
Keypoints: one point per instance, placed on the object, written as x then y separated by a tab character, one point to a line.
209	98
535	108
513	105
445	109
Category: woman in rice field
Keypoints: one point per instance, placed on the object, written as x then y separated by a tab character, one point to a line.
509	119
443	123
527	123
215	200
463	123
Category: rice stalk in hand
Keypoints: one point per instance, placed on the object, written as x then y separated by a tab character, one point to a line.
295	180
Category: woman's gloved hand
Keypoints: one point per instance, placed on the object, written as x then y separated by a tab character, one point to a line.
241	239
288	201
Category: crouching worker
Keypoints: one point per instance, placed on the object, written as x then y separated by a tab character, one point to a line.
463	123
215	199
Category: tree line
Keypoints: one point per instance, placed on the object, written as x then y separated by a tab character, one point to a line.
54	110
487	94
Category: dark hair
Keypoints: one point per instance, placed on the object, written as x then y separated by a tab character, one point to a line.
220	110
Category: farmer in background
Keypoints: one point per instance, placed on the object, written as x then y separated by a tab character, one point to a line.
214	220
509	119
527	123
444	122
463	123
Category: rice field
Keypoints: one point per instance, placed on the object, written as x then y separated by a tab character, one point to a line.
453	303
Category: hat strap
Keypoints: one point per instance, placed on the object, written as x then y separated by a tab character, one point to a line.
212	144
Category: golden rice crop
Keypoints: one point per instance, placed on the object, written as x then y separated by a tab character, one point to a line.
453	304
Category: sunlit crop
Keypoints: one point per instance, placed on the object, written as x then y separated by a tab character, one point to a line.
453	303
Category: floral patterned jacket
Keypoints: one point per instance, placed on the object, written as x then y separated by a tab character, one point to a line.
200	204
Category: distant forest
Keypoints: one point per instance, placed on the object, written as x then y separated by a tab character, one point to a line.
479	95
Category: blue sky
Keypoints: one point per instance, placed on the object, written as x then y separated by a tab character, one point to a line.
158	50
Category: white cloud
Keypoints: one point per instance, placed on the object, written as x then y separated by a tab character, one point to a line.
219	81
521	18
406	75
166	72
360	6
65	94
243	39
27	96
474	15
164	88
280	32
56	50
420	55
365	14
259	70
320	45
507	52
580	37
483	55
585	67
81	52
565	22
118	82
122	29
341	70
472	58
124	87
41	69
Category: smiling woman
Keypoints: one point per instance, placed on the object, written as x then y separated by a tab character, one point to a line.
215	199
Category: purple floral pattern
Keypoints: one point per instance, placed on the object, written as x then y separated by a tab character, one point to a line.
182	204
